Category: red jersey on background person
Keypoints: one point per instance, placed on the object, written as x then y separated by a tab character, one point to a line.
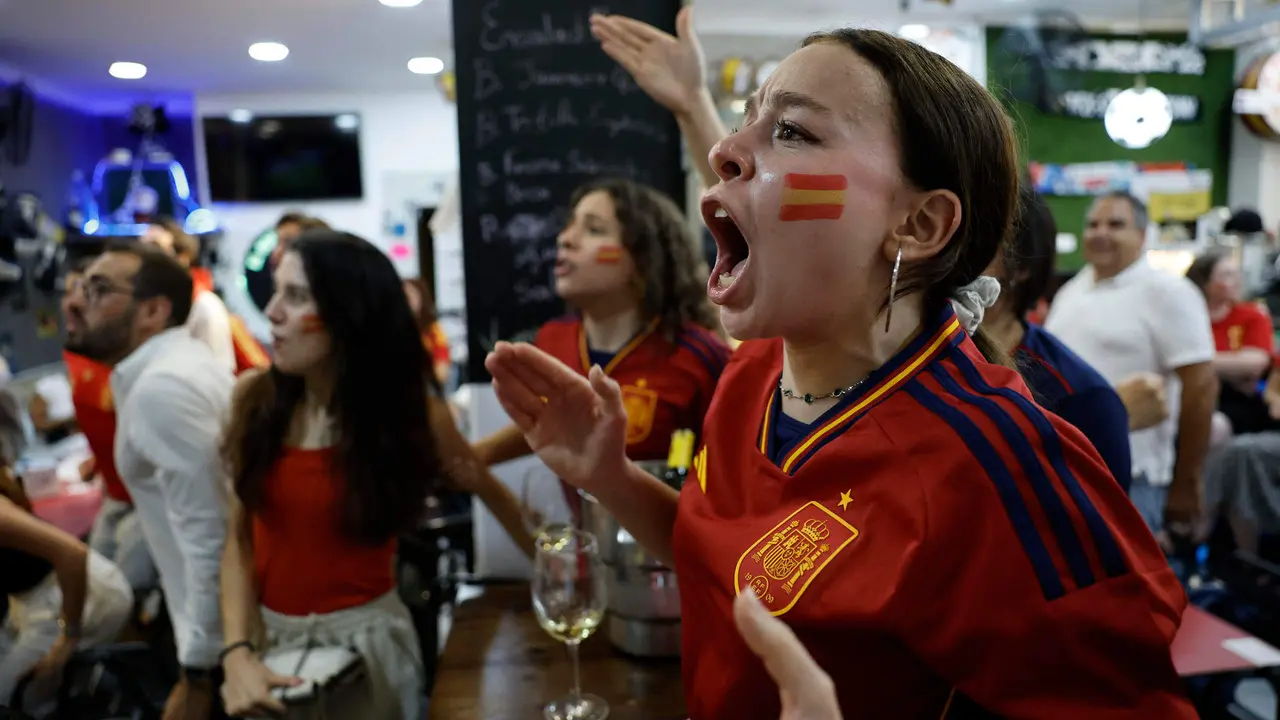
1243	337
629	266
96	415
876	477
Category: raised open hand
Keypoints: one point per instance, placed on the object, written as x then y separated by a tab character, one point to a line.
672	70
576	425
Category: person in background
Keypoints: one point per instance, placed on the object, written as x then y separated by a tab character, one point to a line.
210	321
61	595
1061	382
433	337
925	430
116	534
171	397
628	265
1131	321
333	453
289	227
1243	337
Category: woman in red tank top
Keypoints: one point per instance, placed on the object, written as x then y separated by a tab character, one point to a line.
332	453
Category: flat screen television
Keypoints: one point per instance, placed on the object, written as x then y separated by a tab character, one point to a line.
283	158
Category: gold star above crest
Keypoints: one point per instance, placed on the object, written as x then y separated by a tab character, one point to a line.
846	497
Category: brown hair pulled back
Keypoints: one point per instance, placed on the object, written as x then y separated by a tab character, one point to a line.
952	135
668	258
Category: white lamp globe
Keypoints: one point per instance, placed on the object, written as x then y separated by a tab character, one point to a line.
1138	117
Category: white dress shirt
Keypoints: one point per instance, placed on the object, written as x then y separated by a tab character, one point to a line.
1143	320
210	323
55	390
172	397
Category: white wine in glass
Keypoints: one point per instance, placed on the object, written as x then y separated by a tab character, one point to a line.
569	600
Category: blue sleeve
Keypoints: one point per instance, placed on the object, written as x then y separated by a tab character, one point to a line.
1099	414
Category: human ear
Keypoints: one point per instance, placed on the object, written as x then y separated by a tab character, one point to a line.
929	225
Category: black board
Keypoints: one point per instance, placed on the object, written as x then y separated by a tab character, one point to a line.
541	110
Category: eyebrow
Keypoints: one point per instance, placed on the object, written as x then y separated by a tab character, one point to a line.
787	99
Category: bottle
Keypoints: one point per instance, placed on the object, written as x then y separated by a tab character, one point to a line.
679	458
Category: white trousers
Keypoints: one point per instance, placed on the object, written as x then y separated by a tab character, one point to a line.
32	626
382	632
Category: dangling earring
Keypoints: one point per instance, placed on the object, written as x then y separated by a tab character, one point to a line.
893	287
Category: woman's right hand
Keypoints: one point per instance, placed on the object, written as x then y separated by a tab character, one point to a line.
670	69
246	691
576	425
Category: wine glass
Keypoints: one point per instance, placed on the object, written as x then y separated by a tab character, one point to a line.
569	600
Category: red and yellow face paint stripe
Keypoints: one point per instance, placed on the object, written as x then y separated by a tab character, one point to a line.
609	254
812	197
312	324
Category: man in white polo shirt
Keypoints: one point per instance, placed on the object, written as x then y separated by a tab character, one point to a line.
1129	320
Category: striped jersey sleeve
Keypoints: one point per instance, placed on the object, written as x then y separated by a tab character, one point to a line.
1021	512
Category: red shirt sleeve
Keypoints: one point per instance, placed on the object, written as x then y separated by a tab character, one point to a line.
708	355
1037	592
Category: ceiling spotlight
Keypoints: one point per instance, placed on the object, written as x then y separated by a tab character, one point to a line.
426	65
268	51
346	122
400	3
914	32
240	116
128	70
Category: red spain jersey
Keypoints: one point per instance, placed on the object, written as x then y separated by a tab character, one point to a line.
96	415
1247	325
248	351
666	386
941	545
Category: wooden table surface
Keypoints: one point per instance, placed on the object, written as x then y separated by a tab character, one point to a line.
499	665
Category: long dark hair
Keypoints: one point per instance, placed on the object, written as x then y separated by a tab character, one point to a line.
1029	260
385	453
1201	269
668	257
953	135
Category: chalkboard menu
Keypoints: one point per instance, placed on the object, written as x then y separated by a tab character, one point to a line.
541	110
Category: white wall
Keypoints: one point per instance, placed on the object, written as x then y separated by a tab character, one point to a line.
1254	163
408	146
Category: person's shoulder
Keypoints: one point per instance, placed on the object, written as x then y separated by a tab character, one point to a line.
1251	312
1075	374
701	349
557	332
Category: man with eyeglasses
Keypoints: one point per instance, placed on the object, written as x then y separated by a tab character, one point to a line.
171	396
116	534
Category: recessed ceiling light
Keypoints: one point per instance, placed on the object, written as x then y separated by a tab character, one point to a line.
240	116
268	51
400	3
426	65
914	32
128	70
347	122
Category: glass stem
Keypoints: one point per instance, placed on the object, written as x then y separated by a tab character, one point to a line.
577	675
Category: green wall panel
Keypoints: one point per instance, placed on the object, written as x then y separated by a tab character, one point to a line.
1046	138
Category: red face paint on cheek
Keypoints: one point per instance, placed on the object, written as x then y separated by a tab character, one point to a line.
812	197
311	324
609	255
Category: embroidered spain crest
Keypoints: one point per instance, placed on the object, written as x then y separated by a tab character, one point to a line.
641	405
782	564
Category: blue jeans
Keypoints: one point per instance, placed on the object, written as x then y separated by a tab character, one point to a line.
1149	500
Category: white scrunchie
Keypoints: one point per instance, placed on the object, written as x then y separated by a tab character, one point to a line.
972	300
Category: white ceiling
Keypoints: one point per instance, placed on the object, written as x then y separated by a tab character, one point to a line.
362	46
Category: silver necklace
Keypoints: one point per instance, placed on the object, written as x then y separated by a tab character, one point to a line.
811	399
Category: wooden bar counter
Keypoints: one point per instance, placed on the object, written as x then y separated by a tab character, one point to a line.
499	665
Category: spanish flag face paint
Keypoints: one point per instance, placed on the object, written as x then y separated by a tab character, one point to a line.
311	324
812	197
609	255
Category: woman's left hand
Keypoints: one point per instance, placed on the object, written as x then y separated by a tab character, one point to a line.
807	692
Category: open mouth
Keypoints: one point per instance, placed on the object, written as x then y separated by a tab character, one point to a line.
732	249
563	267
